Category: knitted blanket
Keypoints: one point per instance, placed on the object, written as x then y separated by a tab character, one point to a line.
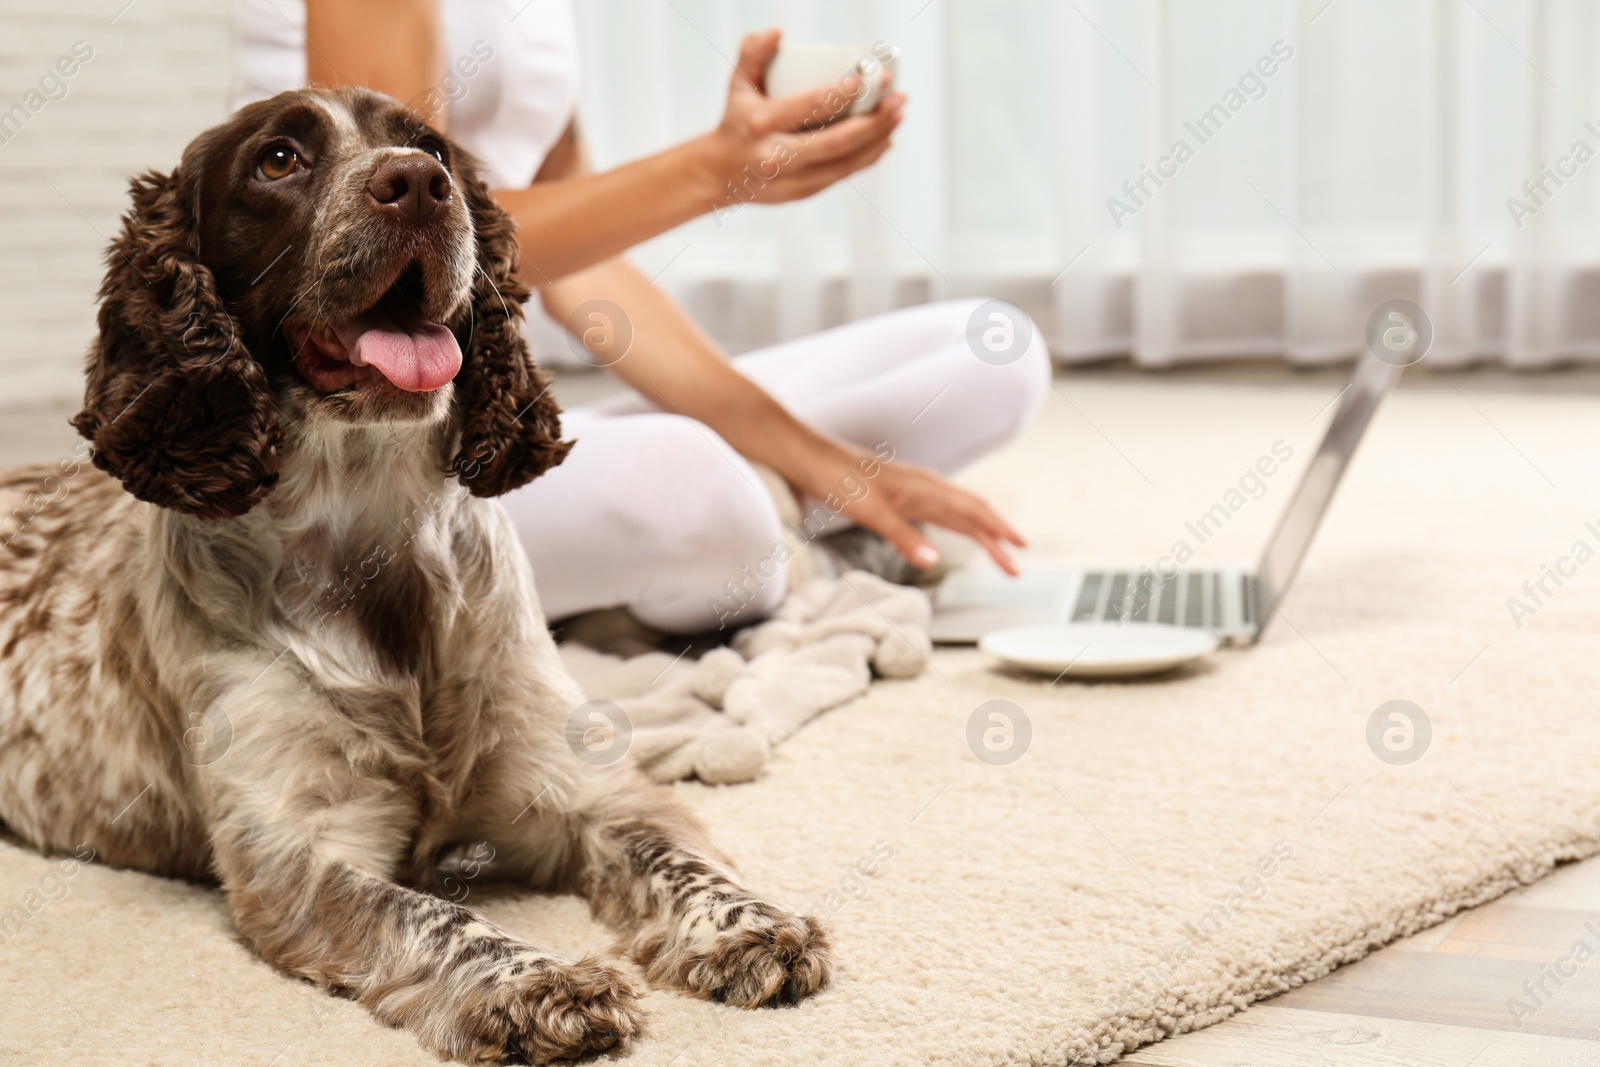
718	718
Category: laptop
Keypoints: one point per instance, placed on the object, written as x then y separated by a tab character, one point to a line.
1234	603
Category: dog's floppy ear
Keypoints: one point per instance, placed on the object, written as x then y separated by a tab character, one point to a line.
175	406
510	424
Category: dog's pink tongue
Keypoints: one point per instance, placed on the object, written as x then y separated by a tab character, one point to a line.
418	356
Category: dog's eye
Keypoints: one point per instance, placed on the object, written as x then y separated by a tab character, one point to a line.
434	149
277	162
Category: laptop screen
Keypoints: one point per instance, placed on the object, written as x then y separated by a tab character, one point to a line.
1373	379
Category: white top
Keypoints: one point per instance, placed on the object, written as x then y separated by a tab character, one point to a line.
512	84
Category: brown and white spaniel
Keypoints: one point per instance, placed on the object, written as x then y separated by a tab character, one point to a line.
282	638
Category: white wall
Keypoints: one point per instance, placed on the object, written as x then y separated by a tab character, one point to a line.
159	74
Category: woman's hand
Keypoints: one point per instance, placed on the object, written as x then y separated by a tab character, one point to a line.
768	151
887	496
677	368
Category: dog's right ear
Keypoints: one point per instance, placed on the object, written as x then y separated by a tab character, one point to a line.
510	424
175	406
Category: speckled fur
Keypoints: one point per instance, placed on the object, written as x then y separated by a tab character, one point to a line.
327	670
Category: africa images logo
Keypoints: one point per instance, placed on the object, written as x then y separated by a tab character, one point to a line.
52	86
1252	85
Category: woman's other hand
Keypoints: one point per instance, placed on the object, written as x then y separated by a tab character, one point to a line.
768	151
889	496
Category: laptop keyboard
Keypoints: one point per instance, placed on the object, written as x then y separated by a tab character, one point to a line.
1192	598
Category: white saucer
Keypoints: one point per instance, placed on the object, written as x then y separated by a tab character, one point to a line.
1098	649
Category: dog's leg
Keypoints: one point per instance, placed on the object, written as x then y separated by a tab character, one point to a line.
648	870
647	867
310	816
561	821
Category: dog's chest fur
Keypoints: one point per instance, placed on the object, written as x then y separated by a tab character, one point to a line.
385	570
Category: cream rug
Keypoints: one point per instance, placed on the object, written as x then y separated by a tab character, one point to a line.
1161	855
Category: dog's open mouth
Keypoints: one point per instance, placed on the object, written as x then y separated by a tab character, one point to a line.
391	340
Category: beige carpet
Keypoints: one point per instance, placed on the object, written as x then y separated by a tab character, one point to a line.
1022	903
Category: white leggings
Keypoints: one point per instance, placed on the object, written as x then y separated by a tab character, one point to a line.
656	512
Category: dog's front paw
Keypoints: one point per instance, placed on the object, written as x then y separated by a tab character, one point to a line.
541	1009
759	955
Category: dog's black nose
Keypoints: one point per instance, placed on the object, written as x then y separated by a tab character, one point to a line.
411	186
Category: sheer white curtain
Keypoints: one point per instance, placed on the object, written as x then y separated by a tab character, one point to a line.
1178	181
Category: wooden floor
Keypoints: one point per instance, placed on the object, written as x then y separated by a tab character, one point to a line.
1439	999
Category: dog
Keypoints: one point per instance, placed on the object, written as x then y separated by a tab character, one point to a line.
279	636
